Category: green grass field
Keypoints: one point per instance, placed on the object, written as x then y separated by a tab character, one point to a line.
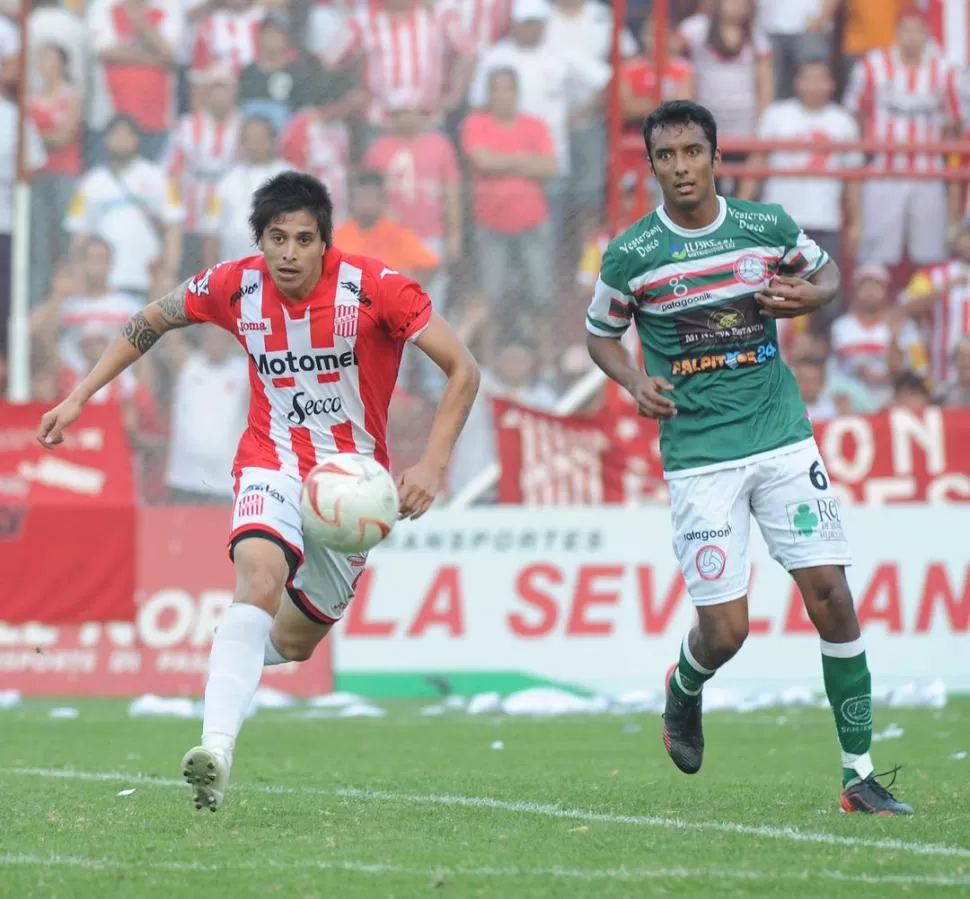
406	806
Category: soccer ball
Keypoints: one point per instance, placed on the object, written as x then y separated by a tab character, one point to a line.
348	503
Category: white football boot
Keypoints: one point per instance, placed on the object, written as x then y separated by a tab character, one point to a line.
207	772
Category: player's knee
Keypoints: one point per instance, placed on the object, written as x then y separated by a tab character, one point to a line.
261	587
293	650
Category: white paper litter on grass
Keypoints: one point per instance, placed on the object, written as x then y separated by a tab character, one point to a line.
361	710
550	701
268	698
958	756
10	699
125	792
485	703
151	706
335	700
892	732
65	713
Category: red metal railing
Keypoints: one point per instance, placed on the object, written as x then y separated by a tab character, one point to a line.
625	147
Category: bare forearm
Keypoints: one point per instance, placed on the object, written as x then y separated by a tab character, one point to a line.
853	202
611	357
127	348
829	279
529	166
138	336
451	414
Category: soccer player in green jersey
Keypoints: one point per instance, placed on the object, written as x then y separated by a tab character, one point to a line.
703	278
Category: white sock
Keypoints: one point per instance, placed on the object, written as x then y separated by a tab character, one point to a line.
235	667
861	764
271	655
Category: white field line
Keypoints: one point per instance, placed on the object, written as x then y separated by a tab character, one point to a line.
360	867
787	834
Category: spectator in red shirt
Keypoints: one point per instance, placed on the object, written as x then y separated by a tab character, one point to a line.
422	182
56	111
135	40
510	155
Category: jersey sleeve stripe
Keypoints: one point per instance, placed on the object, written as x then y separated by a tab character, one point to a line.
598	329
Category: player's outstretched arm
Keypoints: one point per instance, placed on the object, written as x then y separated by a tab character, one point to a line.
418	485
137	337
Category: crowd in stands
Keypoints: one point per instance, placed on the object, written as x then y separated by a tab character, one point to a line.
465	143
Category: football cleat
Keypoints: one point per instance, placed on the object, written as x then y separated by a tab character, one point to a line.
207	772
867	795
683	734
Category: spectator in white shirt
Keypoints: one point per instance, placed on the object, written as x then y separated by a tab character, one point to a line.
227	223
872	344
130	204
829	209
209	406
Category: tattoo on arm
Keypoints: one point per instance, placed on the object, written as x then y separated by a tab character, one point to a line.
140	334
172	307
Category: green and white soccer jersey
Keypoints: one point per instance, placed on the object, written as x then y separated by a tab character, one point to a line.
741	442
691	296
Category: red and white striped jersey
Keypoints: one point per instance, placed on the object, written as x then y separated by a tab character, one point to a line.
408	53
900	103
322	149
484	21
227	35
950	317
201	150
322	370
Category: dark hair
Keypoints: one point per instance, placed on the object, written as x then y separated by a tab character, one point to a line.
680	112
292	192
715	40
122	118
510	72
370	178
909	380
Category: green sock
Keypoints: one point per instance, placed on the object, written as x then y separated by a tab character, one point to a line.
689	677
848	686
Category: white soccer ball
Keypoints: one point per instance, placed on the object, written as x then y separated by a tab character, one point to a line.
349	503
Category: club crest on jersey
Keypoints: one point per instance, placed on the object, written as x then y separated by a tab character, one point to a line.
345	321
751	270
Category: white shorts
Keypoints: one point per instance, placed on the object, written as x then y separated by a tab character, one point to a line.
903	215
321	582
790	498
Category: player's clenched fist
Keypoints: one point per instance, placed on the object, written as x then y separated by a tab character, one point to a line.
417	487
651	403
53	423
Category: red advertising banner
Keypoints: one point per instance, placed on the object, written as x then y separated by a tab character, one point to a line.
184	586
67	519
614	456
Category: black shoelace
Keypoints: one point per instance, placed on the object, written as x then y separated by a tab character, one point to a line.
882	790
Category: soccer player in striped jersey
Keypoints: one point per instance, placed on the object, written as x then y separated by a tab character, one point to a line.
703	278
324	331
